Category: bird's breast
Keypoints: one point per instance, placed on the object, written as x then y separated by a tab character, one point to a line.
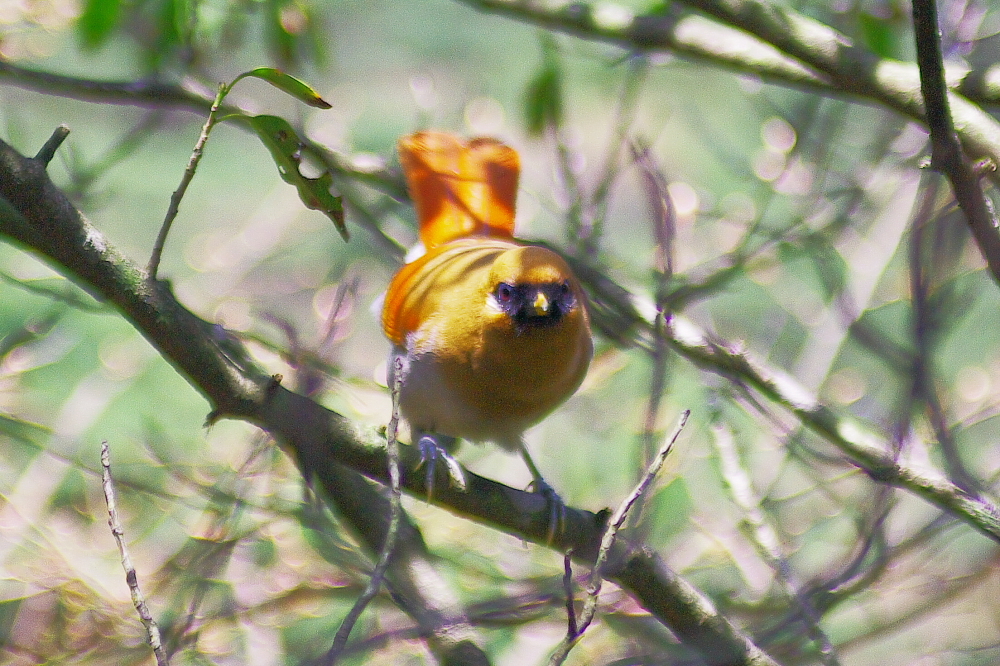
473	372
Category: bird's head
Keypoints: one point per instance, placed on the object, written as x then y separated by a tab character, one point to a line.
532	287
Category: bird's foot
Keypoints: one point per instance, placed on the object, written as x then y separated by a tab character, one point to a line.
430	452
557	508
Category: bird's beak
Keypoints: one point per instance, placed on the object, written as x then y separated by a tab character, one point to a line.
541	304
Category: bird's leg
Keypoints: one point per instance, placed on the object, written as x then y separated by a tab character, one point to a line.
557	508
433	448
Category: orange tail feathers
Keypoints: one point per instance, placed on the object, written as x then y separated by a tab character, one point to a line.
460	188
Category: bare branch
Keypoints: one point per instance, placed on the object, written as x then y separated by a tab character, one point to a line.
138	600
948	156
48	151
608	541
389	545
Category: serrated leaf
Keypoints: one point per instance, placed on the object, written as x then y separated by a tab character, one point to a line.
98	21
289	84
286	150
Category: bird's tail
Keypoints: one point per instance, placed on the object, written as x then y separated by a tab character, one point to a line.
460	188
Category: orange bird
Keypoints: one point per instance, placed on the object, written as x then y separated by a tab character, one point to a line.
493	335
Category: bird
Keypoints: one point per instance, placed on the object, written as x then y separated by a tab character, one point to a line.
489	334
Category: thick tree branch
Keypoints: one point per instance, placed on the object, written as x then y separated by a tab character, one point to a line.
148	93
862	448
36	215
859	443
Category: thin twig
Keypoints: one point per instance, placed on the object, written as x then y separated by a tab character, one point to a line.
947	155
925	258
175	198
571	626
378	575
608	540
661	209
664	225
138	600
663	222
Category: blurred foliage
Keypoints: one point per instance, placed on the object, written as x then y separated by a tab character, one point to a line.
180	33
803	227
543	105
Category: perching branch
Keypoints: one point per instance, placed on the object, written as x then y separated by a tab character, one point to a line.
36	215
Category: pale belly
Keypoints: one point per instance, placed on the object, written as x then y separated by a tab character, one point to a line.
482	402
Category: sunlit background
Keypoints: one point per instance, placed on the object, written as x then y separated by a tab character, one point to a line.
794	227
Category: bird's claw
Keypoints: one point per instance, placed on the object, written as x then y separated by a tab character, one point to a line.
430	452
557	508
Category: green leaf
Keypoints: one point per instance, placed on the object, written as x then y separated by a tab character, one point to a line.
168	17
98	21
670	510
264	552
543	104
281	43
877	34
828	264
24	431
288	84
9	609
286	150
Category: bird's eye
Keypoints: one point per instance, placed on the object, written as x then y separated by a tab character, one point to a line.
564	288
505	292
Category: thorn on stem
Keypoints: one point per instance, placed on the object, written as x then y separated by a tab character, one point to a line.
48	151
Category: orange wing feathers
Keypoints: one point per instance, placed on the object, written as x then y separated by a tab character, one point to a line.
420	285
460	188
